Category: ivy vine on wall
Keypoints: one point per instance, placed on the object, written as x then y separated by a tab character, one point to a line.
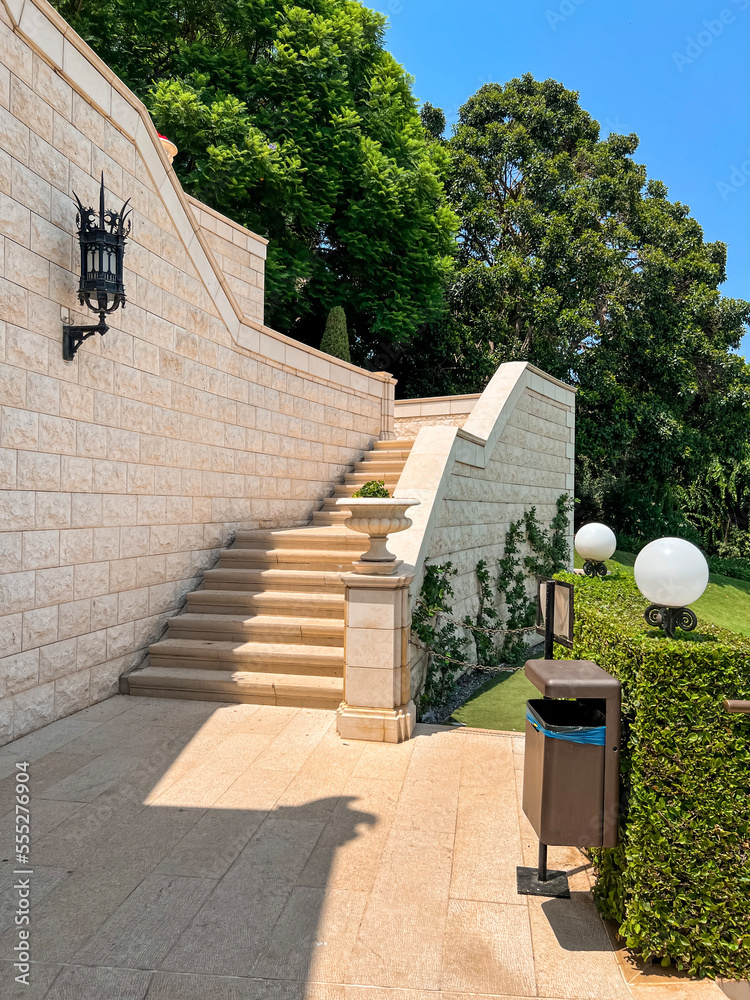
496	641
445	648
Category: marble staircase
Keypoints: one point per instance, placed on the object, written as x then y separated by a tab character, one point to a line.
267	627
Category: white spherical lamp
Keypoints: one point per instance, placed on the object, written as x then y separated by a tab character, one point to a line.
594	543
671	573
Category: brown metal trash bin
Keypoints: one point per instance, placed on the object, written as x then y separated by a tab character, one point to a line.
571	791
563	785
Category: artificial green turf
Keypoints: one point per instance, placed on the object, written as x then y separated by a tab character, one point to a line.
498	704
501	702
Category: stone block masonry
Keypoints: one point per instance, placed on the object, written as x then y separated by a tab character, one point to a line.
476	465
124	471
378	704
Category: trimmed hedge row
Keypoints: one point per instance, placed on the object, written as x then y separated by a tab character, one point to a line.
678	884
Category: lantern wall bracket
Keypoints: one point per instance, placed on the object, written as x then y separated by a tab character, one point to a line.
74	336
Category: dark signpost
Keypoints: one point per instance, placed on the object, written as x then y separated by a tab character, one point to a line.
554	614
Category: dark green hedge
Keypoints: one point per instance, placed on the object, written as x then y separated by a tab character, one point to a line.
679	882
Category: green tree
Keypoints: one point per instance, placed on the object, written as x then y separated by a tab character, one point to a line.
571	258
335	337
718	505
291	117
433	120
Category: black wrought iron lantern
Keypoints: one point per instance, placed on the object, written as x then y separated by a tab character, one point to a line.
101	285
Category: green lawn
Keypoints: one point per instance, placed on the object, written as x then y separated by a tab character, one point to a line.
501	702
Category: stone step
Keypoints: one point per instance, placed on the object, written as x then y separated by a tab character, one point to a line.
308	581
299	538
290	559
252	688
374	473
327	605
258	657
401	444
257	628
329	516
268	625
375	457
379	467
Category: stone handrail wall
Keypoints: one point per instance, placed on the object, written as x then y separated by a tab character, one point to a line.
514	451
124	471
240	254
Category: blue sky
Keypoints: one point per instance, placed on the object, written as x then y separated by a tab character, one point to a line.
674	72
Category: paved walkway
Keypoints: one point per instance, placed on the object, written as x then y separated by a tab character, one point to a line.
193	851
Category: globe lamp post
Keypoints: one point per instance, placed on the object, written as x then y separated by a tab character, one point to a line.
671	573
594	543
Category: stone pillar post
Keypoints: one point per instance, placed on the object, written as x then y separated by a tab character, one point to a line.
388	407
377	701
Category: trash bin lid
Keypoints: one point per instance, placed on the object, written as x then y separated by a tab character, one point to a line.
571	679
567	720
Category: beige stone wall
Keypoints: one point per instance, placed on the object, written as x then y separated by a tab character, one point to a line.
531	465
515	450
407	428
123	471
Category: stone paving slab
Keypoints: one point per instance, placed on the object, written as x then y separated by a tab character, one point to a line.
195	851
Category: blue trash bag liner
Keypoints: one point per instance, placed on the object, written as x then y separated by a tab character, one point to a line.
572	721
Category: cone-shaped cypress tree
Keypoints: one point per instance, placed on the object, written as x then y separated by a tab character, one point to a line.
335	339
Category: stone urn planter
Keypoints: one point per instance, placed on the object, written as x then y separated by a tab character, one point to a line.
169	147
377	518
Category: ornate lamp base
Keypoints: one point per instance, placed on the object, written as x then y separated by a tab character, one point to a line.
594	568
671	618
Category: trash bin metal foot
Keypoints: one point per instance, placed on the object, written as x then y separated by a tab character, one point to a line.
528	884
542	865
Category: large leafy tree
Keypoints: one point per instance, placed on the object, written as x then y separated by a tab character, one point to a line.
291	117
570	257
